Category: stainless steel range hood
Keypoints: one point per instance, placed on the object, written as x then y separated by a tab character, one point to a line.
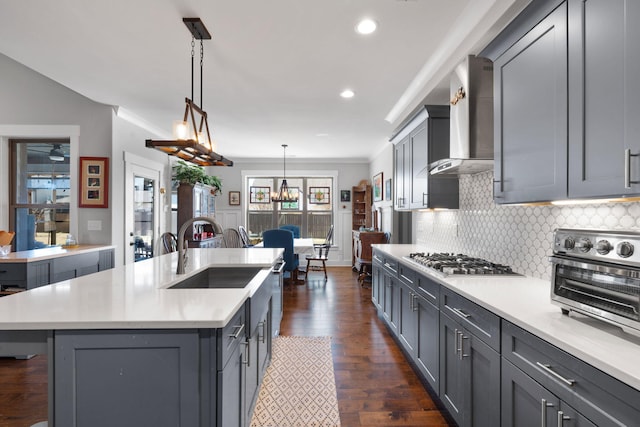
471	119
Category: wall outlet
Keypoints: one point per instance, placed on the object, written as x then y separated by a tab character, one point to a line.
94	225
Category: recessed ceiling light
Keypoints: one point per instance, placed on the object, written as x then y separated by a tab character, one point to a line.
366	26
347	93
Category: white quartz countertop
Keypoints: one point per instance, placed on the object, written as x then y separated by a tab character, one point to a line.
52	252
526	302
137	295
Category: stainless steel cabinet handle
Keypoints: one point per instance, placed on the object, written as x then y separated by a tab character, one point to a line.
457	342
627	168
238	332
543	411
247	345
460	313
547	368
561	418
261	336
462	353
406	278
415	306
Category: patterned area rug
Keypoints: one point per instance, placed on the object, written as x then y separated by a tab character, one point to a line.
299	388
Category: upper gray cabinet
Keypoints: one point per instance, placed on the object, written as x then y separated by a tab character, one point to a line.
530	117
567	101
604	101
421	141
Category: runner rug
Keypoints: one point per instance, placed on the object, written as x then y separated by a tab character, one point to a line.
299	388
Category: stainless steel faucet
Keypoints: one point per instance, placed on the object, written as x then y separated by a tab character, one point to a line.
182	251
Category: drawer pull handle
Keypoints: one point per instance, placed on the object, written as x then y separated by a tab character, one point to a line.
238	332
406	278
562	418
457	342
247	345
548	369
543	411
460	313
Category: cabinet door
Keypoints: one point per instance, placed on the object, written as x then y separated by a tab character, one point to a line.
377	281
252	368
525	403
419	160
451	386
407	319
569	417
391	302
481	376
401	201
231	391
603	64
427	347
530	120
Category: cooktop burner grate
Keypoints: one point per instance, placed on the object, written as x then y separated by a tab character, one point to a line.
449	263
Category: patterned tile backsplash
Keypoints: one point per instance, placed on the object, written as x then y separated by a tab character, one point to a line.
520	236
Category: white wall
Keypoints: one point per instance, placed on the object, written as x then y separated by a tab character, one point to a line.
31	101
383	162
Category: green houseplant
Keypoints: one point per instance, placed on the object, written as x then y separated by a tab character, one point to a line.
186	173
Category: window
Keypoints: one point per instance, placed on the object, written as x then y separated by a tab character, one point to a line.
313	212
39	192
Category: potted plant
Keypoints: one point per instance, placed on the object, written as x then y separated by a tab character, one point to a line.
185	173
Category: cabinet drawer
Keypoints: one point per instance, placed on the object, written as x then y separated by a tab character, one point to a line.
377	258
230	336
479	321
407	275
428	289
596	395
391	265
13	273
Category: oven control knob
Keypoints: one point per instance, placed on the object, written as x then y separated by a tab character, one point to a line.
603	247
569	243
584	245
624	249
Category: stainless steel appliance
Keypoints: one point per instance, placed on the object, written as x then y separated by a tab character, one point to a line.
471	119
597	273
448	263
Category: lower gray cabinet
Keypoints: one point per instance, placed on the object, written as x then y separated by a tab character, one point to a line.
126	378
231	391
390	307
257	356
526	403
427	351
469	376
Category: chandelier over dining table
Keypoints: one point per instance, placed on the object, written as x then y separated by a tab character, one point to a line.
284	194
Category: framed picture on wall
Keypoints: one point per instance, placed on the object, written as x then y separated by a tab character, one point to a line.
94	182
345	195
234	198
377	187
387	189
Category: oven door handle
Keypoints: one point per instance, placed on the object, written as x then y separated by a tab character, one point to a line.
595	266
607	300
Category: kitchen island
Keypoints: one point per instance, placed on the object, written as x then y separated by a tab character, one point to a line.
502	334
126	349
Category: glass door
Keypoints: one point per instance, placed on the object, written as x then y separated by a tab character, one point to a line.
143	217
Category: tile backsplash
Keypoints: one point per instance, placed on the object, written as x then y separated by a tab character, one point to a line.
520	236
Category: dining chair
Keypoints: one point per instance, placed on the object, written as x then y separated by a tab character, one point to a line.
279	238
244	236
169	242
320	255
231	238
293	228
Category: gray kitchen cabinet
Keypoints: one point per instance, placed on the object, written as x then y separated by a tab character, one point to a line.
126	378
70	267
377	279
421	141
530	119
106	260
525	403
407	321
583	393
604	63
390	302
427	352
469	361
257	355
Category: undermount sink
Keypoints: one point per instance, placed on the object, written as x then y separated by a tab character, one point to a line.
219	277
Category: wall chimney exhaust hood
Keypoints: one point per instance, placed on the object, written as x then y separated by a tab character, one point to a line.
471	119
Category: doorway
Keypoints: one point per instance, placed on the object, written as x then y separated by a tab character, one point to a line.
141	212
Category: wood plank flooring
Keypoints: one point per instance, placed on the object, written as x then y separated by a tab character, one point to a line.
375	384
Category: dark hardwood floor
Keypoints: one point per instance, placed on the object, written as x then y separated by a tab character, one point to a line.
375	384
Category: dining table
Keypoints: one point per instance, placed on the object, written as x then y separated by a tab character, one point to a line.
301	246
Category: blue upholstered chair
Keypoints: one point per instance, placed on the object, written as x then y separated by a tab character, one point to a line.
283	239
293	228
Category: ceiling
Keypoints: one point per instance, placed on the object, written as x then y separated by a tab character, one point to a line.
273	70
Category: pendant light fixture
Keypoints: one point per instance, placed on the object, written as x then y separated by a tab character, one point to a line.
192	142
284	195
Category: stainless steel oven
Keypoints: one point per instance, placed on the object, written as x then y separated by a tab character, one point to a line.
597	273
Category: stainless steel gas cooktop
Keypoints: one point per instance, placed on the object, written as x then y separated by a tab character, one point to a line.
449	263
